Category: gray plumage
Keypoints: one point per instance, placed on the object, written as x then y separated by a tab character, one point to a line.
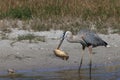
86	38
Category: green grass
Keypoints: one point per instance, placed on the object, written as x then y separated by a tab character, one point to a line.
31	37
26	37
17	13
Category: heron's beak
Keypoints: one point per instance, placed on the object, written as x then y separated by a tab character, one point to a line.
61	41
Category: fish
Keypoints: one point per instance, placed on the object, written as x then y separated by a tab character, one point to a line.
59	53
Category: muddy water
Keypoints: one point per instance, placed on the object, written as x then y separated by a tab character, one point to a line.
110	72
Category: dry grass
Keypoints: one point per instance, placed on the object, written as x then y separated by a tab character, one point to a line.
87	9
102	13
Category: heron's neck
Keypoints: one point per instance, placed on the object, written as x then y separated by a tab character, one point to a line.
73	39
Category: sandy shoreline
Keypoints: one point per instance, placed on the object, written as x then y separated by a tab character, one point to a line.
24	55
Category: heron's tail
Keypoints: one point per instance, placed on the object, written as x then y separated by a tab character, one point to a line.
106	44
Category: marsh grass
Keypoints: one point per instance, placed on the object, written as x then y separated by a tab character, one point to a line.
26	37
17	13
31	38
52	12
88	9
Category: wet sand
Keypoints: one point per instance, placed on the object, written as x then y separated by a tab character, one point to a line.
31	56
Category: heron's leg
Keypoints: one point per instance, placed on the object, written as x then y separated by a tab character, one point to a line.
90	64
83	48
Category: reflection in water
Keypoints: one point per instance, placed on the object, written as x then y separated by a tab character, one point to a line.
101	73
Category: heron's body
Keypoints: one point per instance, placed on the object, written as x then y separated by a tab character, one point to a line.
88	39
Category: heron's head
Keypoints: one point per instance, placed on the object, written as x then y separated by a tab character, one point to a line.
65	35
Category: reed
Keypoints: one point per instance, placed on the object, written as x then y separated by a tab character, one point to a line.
87	9
98	11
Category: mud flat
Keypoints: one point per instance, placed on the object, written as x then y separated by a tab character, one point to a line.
30	56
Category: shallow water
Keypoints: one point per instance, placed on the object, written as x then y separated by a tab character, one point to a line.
111	72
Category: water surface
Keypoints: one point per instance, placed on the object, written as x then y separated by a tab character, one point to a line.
111	72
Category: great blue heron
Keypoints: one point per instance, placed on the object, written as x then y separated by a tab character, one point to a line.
87	38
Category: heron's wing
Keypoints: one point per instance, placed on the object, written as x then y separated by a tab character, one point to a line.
93	39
